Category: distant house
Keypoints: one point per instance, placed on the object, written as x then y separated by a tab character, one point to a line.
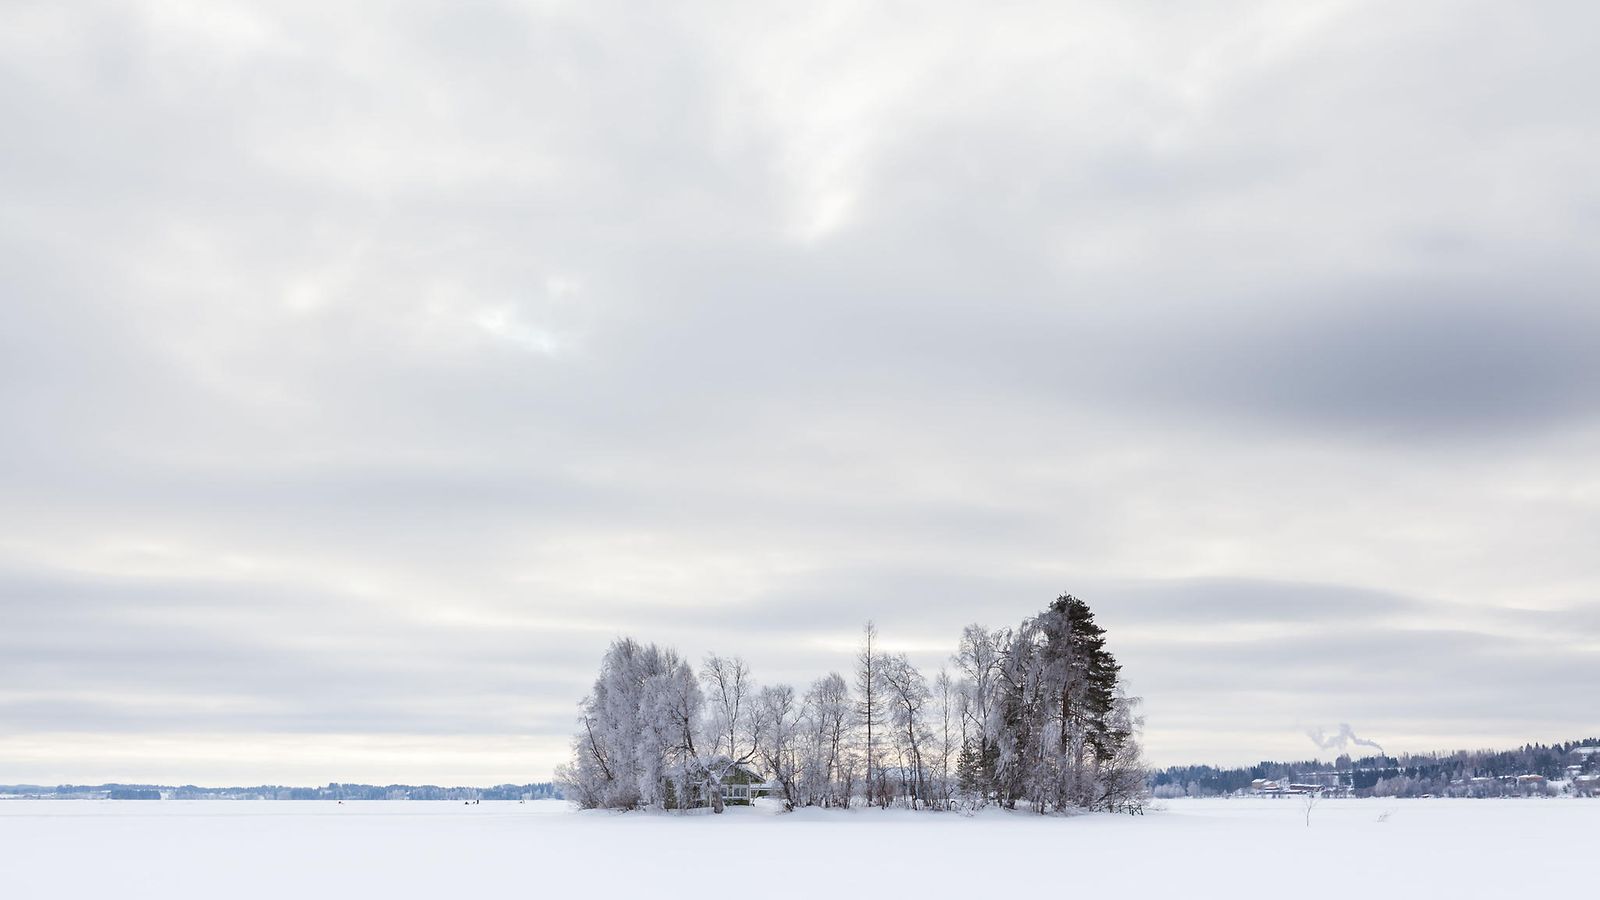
1586	785
1533	784
744	785
1266	787
741	785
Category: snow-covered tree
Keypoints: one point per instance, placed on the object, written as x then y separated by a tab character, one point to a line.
906	695
627	733
669	761
729	690
778	738
869	712
979	658
829	721
948	697
1123	777
1061	730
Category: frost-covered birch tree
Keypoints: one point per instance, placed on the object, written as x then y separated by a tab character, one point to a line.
637	723
729	690
829	724
947	695
978	657
672	717
777	718
906	695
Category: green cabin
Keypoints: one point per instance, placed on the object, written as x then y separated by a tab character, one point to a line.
740	787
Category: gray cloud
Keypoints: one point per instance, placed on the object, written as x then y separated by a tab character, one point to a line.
365	375
1440	361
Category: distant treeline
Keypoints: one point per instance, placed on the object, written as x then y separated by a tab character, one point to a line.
1461	773
536	791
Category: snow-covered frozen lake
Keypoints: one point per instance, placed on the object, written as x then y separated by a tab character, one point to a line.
400	850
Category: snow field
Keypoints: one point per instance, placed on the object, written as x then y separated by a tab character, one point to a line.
400	850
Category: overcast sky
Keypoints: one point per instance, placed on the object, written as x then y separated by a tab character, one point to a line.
365	371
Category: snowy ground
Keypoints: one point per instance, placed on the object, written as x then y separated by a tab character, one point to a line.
400	850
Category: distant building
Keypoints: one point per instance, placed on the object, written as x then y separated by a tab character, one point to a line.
740	787
1267	787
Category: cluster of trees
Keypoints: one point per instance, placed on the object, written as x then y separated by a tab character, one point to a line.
1033	716
1461	773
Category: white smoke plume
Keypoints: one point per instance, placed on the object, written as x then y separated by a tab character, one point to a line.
1344	739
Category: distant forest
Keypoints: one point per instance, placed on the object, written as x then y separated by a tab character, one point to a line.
536	791
1461	773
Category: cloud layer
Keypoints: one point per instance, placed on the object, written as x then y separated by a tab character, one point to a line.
365	371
